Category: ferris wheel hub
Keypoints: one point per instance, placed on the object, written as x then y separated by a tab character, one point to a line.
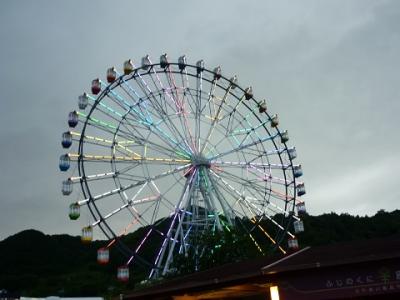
200	161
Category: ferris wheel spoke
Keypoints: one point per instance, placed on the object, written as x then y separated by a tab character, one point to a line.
251	184
231	115
268	177
215	119
94	140
186	135
97	122
262	229
133	185
139	102
241	165
139	159
158	107
265	232
141	119
277	209
172	99
241	147
248	232
100	176
250	205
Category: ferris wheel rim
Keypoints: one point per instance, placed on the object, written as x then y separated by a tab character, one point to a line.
117	83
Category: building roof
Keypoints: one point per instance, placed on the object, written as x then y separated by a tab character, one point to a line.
307	258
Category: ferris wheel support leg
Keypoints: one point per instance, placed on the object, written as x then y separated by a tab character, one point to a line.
161	253
209	199
227	211
179	229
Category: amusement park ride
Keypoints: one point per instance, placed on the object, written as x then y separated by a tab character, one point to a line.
178	150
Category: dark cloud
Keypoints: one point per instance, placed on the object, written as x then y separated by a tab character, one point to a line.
330	69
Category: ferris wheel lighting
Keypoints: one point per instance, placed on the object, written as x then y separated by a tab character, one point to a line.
182	62
262	108
96	86
284	136
164	61
146	62
111	74
83	101
248	93
73	119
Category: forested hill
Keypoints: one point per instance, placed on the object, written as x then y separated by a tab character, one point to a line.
35	264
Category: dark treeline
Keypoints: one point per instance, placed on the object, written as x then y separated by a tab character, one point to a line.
35	264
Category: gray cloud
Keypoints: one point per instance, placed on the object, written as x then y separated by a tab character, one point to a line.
328	68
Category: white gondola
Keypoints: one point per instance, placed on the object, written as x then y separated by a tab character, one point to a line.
128	67
96	86
262	107
301	189
248	93
123	273
103	256
111	75
200	66
274	120
83	101
73	119
298	226
298	171
182	62
284	136
217	73
66	140
74	211
87	234
293	244
234	82
301	208
292	153
65	162
146	62
164	61
67	186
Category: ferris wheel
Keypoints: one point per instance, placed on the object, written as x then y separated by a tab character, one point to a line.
168	151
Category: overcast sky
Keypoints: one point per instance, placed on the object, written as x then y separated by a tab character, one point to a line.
330	69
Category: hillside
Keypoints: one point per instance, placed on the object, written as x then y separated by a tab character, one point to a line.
35	264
